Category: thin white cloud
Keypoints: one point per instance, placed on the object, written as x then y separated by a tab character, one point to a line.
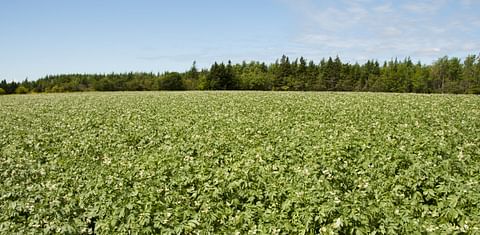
392	31
424	7
383	8
469	2
428	51
377	29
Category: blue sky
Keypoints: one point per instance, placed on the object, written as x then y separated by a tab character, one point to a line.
71	36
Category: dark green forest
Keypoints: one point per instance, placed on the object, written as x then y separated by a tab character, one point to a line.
445	75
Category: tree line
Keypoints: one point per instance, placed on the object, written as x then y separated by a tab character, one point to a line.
445	75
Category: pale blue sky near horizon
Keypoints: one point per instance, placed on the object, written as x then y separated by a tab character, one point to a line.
102	36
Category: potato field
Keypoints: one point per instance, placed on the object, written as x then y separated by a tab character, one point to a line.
239	163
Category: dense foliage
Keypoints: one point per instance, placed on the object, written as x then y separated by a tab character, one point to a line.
446	75
226	162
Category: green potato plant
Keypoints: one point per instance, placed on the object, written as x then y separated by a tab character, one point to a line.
239	162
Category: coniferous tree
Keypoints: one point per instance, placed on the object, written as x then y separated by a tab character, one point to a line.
282	73
448	75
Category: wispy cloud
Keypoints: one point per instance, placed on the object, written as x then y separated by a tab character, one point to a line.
380	29
424	7
383	8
